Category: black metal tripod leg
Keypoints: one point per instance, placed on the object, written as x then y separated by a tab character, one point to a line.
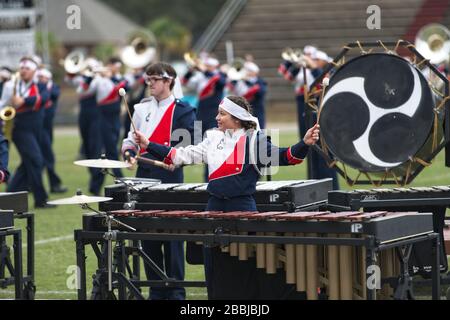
4	255
404	291
30	246
153	265
436	266
136	262
81	264
121	262
18	274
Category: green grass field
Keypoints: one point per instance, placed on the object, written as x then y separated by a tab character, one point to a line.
55	247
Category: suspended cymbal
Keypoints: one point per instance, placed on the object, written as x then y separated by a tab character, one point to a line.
102	163
79	199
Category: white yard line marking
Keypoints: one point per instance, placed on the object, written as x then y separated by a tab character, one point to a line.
50	240
42	292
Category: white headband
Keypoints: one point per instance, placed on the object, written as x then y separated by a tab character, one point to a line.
5	73
251	66
238	112
213	62
164	75
44	73
30	64
309	50
177	88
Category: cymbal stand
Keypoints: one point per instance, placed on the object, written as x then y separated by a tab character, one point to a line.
109	236
129	204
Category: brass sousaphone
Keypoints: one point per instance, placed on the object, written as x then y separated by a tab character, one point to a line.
140	51
433	42
75	62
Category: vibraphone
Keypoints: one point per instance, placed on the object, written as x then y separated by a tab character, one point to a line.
321	249
14	205
270	195
422	199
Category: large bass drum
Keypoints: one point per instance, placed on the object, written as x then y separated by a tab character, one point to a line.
378	114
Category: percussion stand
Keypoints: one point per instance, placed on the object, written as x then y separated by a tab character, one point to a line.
130	204
110	236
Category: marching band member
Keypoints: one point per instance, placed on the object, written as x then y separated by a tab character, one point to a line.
88	120
4	157
319	167
295	73
209	84
5	75
106	85
45	77
27	97
315	61
162	117
235	153
253	88
137	88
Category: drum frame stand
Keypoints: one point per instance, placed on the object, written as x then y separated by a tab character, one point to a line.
109	236
404	290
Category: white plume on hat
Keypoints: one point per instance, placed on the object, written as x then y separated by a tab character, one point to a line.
251	66
5	73
210	61
44	73
37	59
308	49
321	55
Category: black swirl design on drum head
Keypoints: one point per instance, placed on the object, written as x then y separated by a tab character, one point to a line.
377	112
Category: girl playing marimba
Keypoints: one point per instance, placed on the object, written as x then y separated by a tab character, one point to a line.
235	152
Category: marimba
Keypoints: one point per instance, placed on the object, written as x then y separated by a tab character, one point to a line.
289	195
328	250
434	199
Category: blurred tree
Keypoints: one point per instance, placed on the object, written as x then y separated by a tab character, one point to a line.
104	51
172	37
53	45
56	53
195	15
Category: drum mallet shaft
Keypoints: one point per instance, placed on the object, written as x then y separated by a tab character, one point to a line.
123	94
325	83
152	162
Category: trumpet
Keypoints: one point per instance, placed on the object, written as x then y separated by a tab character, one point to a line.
294	56
193	61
